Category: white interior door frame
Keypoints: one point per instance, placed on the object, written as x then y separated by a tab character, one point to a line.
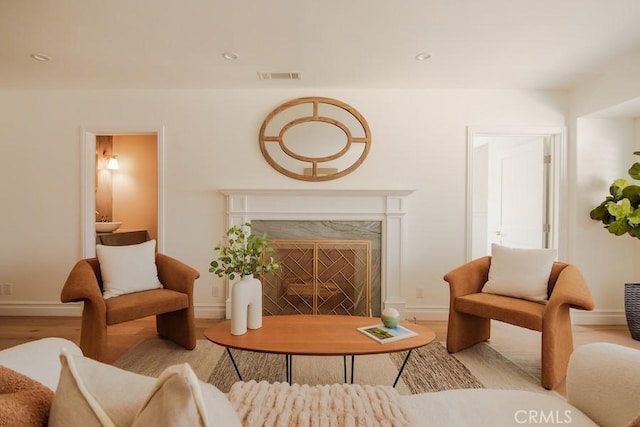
557	174
88	181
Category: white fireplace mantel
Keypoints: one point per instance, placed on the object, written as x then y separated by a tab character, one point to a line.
387	206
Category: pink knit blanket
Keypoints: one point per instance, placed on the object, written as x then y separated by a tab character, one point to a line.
281	404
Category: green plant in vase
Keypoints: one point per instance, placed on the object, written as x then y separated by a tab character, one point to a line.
620	211
243	254
246	255
620	214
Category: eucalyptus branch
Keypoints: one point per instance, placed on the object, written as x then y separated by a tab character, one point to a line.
243	254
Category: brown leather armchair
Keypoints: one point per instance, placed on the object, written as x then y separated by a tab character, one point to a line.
172	305
471	311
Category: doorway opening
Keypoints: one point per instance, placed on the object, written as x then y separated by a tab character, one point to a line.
131	195
513	188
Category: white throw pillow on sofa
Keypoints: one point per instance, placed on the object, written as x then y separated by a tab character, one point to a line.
92	393
177	395
520	273
127	269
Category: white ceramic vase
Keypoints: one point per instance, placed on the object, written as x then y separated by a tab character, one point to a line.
246	305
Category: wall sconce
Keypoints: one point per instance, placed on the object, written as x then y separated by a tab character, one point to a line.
112	163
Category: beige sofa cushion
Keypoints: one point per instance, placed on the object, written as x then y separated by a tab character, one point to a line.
495	408
38	359
603	379
91	393
177	395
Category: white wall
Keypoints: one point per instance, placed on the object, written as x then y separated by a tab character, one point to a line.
615	85
603	135
419	142
608	261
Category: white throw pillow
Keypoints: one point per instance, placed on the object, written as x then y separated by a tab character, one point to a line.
178	398
91	393
520	273
127	269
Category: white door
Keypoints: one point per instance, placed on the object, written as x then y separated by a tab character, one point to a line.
513	187
518	193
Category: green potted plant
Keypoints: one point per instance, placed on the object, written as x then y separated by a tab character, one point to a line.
243	254
620	214
246	255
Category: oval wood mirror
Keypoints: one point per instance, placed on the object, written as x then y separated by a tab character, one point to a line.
315	139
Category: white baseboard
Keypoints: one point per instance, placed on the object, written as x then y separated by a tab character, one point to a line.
40	308
426	312
31	308
210	311
218	311
598	317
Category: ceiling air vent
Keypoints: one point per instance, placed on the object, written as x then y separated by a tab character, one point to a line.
280	76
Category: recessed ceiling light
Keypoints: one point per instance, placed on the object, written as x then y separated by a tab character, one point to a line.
423	56
40	57
230	56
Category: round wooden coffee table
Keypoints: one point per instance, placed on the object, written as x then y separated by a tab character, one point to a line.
316	335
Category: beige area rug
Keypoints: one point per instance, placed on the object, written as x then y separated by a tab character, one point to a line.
430	368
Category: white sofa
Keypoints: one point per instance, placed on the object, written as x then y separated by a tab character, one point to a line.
39	360
603	387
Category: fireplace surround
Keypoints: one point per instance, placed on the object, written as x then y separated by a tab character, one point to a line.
389	207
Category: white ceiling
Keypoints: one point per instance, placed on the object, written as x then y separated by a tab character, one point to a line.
510	44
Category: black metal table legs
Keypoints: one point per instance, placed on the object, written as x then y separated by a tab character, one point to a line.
288	369
233	361
406	359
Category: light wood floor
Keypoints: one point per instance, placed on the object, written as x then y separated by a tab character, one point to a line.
518	344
